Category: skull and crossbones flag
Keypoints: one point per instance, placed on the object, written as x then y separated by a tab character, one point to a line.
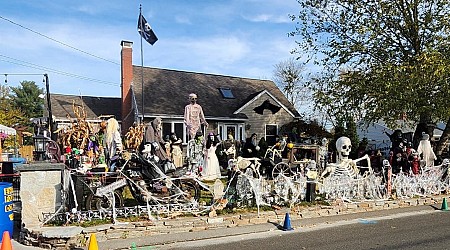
145	30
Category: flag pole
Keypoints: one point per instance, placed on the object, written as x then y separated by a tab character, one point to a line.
142	66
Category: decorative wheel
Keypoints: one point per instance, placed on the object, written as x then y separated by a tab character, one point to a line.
281	169
104	203
191	190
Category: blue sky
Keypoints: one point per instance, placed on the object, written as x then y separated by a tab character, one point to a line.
244	38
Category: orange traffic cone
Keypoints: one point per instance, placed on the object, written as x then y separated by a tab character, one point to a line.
93	242
6	241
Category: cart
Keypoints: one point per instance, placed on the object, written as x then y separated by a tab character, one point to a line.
299	156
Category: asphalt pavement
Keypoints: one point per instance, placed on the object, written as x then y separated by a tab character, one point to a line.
184	239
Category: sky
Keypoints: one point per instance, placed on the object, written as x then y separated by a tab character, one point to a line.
77	43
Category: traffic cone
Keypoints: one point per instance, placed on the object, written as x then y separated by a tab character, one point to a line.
6	241
444	205
287	223
93	242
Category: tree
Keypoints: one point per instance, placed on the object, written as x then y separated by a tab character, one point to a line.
382	59
288	76
10	116
26	97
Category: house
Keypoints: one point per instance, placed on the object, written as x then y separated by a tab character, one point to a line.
95	110
232	105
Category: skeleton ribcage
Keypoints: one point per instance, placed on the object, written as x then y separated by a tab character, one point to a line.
345	170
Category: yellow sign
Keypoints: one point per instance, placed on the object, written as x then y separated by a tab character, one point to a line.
8	190
8	198
11	216
9	208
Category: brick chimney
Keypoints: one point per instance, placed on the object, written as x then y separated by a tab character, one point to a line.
127	80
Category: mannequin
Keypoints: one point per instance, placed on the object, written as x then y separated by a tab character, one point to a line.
113	139
211	170
193	116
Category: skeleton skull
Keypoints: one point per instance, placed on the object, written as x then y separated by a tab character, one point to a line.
343	147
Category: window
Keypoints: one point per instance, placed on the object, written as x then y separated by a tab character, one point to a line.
271	134
236	130
175	127
226	93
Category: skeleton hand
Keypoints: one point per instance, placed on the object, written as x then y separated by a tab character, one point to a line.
249	150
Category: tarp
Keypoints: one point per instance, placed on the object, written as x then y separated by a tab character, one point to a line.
7	130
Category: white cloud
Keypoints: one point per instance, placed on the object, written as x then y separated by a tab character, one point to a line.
183	20
268	18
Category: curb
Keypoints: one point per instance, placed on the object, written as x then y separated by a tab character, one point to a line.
172	230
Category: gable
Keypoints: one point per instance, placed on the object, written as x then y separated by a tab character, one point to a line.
270	103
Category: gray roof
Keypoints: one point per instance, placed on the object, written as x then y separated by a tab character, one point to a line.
167	91
94	106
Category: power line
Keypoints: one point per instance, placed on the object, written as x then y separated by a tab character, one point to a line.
62	43
35	66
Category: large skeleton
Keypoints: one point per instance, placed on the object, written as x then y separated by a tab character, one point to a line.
345	166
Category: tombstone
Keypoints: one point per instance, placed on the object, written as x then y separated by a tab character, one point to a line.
218	189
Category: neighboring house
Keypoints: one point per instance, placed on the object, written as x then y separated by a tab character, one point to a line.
96	109
376	135
235	105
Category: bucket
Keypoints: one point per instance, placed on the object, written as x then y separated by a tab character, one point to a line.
6	208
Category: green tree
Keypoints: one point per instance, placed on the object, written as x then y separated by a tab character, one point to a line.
10	116
382	59
345	126
26	97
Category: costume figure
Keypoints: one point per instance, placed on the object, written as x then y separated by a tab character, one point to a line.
193	116
426	151
211	169
195	154
113	139
251	147
153	136
231	147
175	150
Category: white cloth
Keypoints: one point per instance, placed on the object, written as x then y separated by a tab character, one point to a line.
427	153
211	169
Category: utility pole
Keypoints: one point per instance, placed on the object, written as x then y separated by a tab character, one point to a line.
49	106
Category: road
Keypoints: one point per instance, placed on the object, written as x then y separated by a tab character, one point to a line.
428	229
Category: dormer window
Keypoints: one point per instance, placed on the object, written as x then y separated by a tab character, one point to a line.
226	93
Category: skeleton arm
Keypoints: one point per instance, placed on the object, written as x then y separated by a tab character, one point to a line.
365	157
331	167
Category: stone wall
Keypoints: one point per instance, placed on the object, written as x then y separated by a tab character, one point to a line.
40	191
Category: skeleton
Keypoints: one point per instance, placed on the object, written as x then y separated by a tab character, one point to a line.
344	165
